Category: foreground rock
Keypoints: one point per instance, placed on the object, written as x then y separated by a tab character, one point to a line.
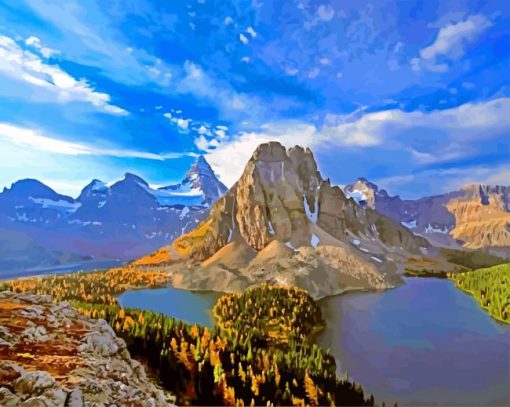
52	356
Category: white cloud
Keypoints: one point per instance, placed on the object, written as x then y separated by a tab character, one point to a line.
228	20
251	31
204	144
36	140
23	65
451	42
458	128
220	133
203	130
35	43
183	123
244	39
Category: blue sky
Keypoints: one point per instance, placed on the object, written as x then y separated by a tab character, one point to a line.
413	95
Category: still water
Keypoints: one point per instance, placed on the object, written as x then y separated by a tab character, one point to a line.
193	307
424	343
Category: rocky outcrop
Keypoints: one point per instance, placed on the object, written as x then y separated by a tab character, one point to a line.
482	216
476	216
281	197
52	356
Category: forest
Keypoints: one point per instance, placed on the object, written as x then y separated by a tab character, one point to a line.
490	287
98	287
260	351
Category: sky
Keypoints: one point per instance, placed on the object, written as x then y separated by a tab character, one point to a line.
413	95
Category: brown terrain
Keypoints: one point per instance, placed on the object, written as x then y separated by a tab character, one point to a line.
475	217
52	356
283	223
482	216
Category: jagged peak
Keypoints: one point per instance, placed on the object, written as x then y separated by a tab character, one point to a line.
200	167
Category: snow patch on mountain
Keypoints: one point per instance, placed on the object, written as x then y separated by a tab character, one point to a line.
410	225
60	205
431	229
358	196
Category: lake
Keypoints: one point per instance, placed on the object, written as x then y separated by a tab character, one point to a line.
424	343
190	306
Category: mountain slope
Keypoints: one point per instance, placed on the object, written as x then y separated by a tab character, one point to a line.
282	222
476	216
122	221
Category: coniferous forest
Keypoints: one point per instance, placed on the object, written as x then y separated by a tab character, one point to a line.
259	352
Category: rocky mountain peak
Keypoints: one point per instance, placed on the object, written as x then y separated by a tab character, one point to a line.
201	182
282	201
275	194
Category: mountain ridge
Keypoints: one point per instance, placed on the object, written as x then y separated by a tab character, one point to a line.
123	220
476	216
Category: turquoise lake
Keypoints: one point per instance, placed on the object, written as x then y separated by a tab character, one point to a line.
193	307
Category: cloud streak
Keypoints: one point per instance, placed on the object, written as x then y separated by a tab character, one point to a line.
35	140
23	65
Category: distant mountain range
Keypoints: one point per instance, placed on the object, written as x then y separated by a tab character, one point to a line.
40	228
280	205
476	216
283	223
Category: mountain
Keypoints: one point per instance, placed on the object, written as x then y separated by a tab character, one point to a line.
476	216
122	221
283	223
200	186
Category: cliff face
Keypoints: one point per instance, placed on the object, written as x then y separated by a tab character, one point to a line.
283	222
52	356
482	216
476	216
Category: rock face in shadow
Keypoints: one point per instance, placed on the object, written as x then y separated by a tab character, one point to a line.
52	356
282	201
476	216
